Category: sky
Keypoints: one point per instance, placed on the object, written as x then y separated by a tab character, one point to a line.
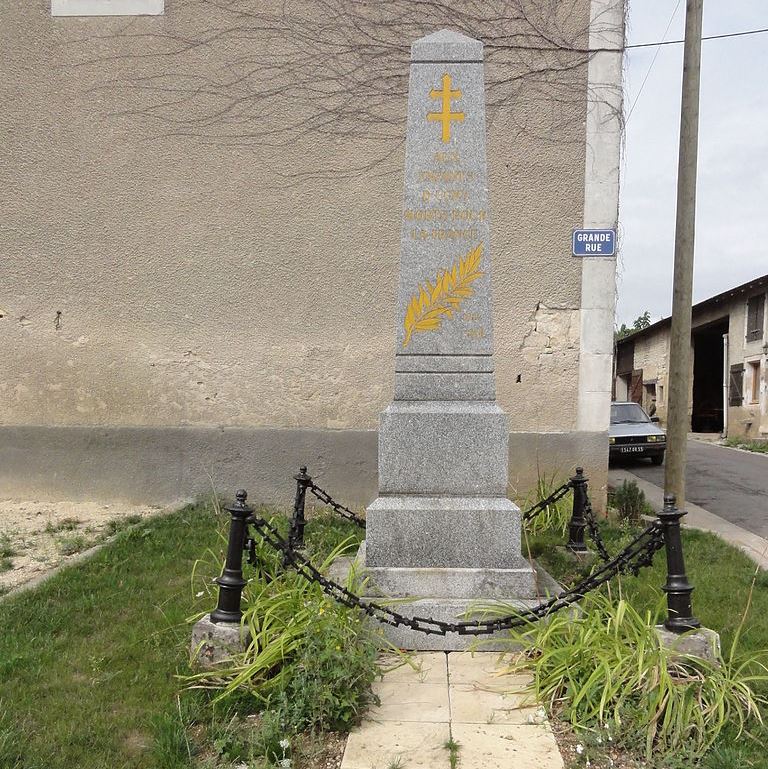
732	194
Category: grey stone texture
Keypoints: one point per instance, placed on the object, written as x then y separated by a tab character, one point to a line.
443	531
216	642
446	45
704	643
443	447
445	210
444	364
442	534
452	386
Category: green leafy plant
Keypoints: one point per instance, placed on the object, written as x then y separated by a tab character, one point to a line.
72	545
453	748
7	550
630	503
116	525
605	670
65	524
553	518
760	446
311	661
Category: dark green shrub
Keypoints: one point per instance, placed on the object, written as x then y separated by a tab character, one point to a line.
629	501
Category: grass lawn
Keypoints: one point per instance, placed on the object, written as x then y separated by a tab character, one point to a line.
722	576
760	446
87	660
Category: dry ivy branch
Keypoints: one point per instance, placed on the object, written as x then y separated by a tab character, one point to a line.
268	73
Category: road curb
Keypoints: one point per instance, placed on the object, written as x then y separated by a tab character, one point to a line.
752	545
731	448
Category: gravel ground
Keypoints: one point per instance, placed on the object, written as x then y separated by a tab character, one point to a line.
36	537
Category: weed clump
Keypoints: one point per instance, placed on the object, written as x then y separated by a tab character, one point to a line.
630	503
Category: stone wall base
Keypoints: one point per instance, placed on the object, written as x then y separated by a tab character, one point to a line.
168	465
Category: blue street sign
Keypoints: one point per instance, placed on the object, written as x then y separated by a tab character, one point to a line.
594	242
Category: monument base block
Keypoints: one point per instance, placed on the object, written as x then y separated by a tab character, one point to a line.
446	594
214	643
444	532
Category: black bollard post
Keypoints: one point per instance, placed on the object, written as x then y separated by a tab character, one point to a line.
231	582
578	522
679	611
298	522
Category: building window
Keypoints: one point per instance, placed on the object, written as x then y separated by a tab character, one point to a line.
107	7
735	385
755	315
754	381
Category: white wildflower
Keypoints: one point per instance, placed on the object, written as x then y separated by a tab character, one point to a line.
579	749
285	763
285	744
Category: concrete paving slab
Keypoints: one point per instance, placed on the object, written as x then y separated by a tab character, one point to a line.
484	670
455	696
425	668
411	745
411	701
506	745
473	705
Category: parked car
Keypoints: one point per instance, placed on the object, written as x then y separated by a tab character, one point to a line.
632	433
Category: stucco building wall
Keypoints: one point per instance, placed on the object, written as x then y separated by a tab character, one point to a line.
176	309
651	356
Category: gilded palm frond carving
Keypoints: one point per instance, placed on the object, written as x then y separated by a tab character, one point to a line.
434	302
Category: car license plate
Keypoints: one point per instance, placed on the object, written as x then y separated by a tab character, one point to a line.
631	449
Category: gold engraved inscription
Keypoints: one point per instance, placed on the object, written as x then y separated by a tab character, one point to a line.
433	302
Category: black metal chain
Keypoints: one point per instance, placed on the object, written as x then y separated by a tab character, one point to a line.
594	532
555	496
636	555
350	515
343	511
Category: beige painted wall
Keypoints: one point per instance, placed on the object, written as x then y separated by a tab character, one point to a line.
152	280
196	287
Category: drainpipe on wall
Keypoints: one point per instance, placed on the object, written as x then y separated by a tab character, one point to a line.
726	370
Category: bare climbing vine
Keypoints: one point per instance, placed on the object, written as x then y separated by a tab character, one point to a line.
270	74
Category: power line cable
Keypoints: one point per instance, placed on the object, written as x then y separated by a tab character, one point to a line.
653	61
705	37
619	49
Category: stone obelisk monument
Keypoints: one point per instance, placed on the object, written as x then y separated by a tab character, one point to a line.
442	531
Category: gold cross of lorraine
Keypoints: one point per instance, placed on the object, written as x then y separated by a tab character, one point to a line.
445	115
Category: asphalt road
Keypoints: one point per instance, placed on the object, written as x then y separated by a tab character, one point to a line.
731	484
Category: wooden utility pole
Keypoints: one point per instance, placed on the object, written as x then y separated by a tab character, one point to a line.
679	386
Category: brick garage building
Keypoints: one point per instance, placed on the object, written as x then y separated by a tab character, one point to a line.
729	343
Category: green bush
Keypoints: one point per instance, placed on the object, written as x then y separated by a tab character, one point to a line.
760	446
629	502
311	661
604	670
